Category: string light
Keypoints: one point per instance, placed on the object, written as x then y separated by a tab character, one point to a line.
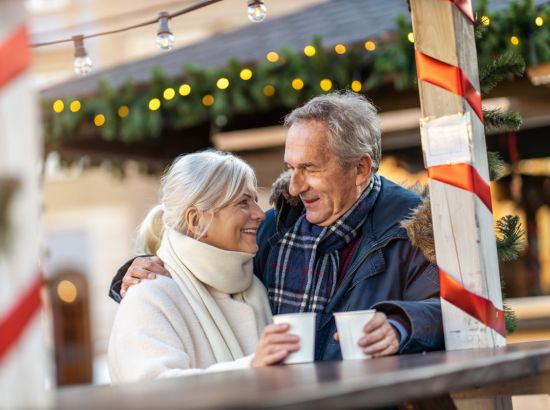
208	100
325	84
246	74
309	50
184	90
340	49
123	111
370	45
297	84
410	37
539	21
272	57
165	38
222	83
485	20
169	93
154	104
99	120
75	106
256	11
269	90
514	40
356	86
82	62
58	106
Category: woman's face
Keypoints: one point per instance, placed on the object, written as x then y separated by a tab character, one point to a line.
234	227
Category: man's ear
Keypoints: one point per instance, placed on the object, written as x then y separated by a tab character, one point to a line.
364	170
192	218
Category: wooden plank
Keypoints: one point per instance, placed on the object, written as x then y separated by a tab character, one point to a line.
463	226
323	385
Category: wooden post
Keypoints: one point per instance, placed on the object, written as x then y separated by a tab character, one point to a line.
453	141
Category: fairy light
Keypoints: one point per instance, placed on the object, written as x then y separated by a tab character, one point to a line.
208	100
514	40
222	83
485	20
309	50
257	11
325	84
75	106
340	49
154	104
58	106
99	120
297	84
269	90
245	74
370	45
82	64
539	21
272	57
123	111
356	86
410	37
184	90
169	93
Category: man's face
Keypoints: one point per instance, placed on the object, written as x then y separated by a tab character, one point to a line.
326	189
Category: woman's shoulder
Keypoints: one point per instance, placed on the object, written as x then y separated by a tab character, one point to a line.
158	291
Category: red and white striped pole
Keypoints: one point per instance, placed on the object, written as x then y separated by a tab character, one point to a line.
453	141
23	361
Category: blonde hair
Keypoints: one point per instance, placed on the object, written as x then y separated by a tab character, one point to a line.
208	181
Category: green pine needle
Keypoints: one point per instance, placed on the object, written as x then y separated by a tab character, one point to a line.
510	319
509	242
498	120
498	69
479	29
497	168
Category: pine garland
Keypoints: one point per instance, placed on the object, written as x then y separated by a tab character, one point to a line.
497	167
497	119
509	239
501	67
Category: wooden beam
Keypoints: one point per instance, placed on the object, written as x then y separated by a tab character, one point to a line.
463	224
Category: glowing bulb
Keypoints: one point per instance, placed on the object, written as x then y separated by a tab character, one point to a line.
309	50
58	106
75	106
297	84
154	104
486	21
410	37
246	74
185	89
272	57
208	100
165	38
256	11
340	49
66	291
356	86
370	45
514	40
99	120
539	21
169	93
82	62
222	83
123	111
269	90
325	84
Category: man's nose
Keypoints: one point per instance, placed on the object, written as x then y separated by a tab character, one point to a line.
297	184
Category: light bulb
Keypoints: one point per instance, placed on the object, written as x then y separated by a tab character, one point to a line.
165	38
82	62
257	11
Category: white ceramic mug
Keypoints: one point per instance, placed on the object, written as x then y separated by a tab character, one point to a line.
350	330
303	325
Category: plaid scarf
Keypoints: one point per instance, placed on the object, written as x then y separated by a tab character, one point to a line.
307	257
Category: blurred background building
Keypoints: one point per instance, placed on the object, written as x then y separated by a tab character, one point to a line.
227	83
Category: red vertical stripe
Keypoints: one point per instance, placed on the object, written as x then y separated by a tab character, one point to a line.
15	55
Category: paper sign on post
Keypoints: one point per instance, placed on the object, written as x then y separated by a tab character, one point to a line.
446	140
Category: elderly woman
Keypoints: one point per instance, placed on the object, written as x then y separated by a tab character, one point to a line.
211	314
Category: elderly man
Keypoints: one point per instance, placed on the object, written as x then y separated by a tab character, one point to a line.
334	242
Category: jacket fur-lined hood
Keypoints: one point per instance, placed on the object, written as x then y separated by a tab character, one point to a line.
418	224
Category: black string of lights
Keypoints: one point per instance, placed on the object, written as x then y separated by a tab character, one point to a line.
165	40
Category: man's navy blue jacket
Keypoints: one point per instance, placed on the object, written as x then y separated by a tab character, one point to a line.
386	273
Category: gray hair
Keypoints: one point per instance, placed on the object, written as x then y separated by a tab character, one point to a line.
352	124
208	181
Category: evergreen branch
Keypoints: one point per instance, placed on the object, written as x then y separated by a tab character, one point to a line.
509	242
510	319
497	119
479	29
497	168
498	69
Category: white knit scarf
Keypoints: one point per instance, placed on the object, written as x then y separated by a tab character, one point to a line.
194	264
